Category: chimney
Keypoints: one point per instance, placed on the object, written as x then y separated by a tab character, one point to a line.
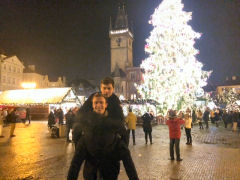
64	81
31	67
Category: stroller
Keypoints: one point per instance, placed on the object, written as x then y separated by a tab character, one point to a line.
54	130
52	126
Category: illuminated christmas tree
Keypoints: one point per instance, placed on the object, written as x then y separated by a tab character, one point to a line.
173	77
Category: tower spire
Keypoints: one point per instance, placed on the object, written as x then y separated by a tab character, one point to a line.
121	19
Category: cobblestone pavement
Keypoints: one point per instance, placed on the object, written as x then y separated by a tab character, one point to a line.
214	155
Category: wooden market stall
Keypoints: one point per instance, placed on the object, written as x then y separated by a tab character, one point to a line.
40	101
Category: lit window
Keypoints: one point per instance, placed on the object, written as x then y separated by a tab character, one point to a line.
4	79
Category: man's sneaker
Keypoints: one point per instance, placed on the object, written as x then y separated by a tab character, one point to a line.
179	159
172	159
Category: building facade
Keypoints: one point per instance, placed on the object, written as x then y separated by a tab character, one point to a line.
230	83
11	72
125	75
31	76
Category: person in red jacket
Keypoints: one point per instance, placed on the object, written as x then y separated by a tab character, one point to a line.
174	124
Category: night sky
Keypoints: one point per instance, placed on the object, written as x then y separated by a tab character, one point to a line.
70	37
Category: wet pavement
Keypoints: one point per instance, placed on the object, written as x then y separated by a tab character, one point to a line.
33	154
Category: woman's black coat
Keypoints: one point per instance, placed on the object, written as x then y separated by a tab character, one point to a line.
147	119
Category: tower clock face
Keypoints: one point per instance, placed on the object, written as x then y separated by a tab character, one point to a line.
118	41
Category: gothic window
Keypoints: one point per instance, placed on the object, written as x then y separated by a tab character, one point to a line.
10	68
14	69
4	67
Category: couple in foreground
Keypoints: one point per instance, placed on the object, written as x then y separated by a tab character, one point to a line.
101	138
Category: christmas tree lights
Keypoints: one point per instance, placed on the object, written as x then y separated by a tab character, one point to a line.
172	74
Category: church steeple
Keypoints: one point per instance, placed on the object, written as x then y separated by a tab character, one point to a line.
121	40
121	21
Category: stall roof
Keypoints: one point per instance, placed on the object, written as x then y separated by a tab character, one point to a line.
36	96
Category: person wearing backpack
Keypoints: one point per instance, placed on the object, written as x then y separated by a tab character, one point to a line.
101	146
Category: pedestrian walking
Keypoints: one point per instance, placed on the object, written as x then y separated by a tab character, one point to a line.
69	123
200	119
13	120
216	117
101	145
225	118
5	113
1	124
188	127
131	121
212	116
206	116
60	116
194	116
174	124
28	117
235	117
147	126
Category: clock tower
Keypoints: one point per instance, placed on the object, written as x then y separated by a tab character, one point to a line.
124	74
121	39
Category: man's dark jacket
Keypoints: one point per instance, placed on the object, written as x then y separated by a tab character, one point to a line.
114	110
101	145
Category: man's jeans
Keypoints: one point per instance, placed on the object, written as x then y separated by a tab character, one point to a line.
177	149
133	135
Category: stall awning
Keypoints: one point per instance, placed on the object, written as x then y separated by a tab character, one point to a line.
38	96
